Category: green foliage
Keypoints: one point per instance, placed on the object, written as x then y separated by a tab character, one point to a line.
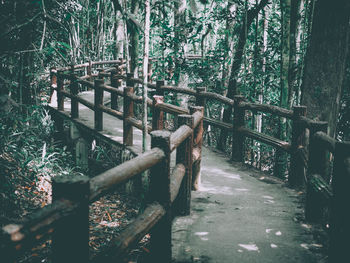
27	152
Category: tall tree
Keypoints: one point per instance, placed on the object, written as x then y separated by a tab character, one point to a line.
281	157
247	20
145	73
325	61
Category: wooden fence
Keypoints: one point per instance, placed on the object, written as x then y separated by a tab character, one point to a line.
170	191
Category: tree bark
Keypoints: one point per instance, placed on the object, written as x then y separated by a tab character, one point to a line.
325	61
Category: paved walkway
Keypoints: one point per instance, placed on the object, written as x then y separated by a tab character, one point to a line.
235	217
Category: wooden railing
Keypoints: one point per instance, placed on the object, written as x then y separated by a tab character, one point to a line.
328	191
170	192
319	190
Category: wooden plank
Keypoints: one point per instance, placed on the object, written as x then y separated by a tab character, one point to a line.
121	173
265	139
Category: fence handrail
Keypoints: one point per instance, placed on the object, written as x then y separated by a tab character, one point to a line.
104	183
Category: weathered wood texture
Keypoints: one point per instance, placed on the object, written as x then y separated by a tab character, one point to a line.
98	103
157	113
198	113
340	215
160	192
318	198
275	110
297	174
17	238
175	180
70	238
184	156
121	173
265	139
133	233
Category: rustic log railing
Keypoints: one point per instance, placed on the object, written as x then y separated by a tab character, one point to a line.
170	191
329	190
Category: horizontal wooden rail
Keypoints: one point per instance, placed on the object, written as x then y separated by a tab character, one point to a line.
313	124
112	112
117	175
181	134
267	109
176	180
137	124
265	138
173	109
84	82
132	234
79	99
220	124
217	97
17	238
325	141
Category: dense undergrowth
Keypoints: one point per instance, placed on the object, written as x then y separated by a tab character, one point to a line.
29	158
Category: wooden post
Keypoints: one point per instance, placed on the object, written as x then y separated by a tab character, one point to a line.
157	114
237	137
184	155
74	89
200	101
317	154
340	213
317	165
60	97
297	169
98	104
70	239
160	192
128	111
115	84
100	76
197	144
159	91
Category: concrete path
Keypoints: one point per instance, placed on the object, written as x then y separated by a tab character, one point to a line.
235	217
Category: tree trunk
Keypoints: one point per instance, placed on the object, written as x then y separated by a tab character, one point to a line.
134	40
236	64
325	61
145	74
281	156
